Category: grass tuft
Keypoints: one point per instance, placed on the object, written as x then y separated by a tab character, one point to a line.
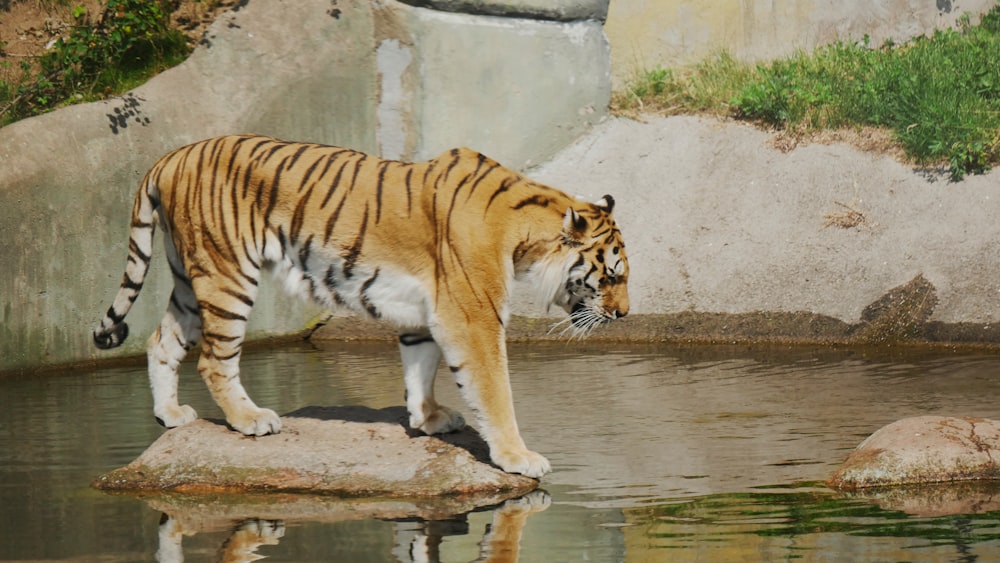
938	95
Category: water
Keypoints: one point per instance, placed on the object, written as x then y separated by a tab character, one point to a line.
659	453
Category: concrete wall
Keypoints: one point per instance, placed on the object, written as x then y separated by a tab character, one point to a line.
673	33
377	76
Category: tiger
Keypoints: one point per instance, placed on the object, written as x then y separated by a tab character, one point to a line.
432	247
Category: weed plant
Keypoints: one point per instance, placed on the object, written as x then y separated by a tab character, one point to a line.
939	95
131	41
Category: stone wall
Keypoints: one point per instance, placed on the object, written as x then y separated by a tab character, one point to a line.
672	33
406	81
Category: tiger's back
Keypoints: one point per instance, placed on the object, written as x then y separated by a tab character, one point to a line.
430	246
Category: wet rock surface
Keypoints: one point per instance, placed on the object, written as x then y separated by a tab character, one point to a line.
924	449
342	451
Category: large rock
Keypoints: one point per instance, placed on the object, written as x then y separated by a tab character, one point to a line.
924	449
343	451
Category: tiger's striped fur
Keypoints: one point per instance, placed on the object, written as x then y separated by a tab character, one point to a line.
431	246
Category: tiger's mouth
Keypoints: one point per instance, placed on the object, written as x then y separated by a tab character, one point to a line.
586	316
577	314
583	318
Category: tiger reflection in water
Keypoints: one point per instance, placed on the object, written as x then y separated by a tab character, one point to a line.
414	541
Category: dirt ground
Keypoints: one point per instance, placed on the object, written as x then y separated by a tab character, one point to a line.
29	27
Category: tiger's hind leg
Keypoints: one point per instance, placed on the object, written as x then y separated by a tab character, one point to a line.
421	356
225	304
179	331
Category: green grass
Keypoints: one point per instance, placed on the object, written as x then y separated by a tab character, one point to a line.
938	95
103	55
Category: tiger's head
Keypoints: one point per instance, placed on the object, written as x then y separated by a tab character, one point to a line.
595	276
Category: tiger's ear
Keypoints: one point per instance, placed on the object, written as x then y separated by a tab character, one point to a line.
574	225
607	203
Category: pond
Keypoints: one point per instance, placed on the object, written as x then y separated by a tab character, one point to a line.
659	453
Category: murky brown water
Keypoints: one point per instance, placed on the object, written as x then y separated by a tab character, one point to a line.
659	453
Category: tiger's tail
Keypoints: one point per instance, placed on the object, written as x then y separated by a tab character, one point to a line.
113	331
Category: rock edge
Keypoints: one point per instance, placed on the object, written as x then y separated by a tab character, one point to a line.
341	451
923	449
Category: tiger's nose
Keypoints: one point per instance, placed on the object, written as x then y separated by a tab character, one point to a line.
619	313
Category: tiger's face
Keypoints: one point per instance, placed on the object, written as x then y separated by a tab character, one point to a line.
596	285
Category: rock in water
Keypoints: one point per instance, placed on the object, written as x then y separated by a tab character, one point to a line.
924	449
343	451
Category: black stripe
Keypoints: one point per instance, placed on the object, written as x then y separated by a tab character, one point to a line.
129	283
251	279
298	217
272	201
304	253
312	168
114	316
220	312
454	163
228	356
221	337
282	239
364	295
415	339
133	247
336	179
242	297
351	258
295	158
331	223
180	342
504	186
253	262
409	178
536	199
330	280
357	168
383	166
481	177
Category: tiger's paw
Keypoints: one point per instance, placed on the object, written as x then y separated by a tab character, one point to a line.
255	422
441	421
172	417
525	462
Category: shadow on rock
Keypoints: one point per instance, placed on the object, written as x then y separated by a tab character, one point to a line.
467	439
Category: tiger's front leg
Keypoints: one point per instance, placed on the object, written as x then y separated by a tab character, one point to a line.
421	356
477	356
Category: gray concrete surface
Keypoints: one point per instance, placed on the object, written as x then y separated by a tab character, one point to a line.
645	34
517	89
558	10
717	220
